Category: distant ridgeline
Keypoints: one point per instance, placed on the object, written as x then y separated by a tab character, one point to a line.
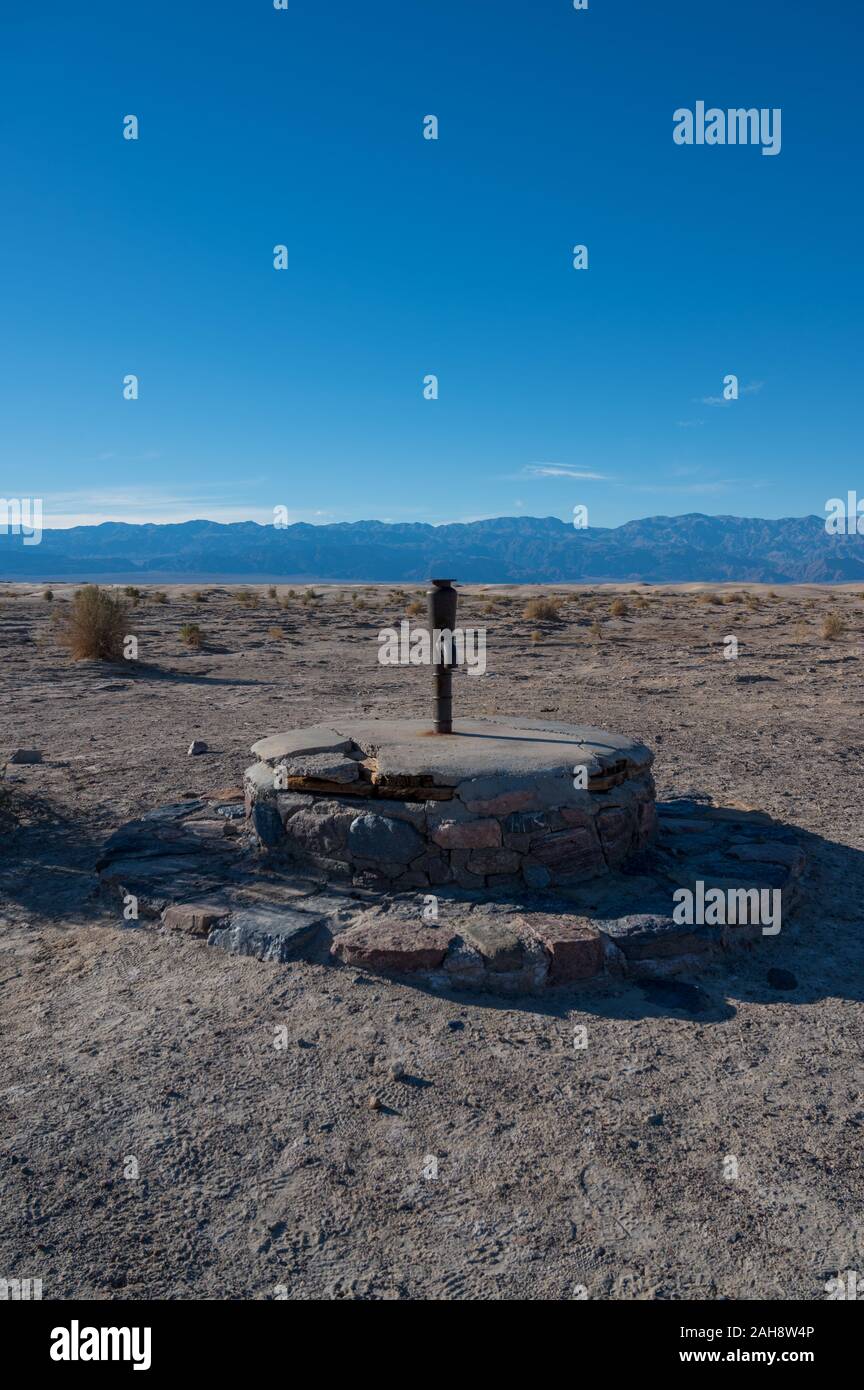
518	550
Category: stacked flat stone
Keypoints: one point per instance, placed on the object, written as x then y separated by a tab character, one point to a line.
494	805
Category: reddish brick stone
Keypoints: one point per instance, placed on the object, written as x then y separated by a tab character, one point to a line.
397	946
576	948
505	804
647	822
569	851
194	918
494	861
472	834
616	828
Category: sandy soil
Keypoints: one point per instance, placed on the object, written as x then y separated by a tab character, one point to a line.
263	1172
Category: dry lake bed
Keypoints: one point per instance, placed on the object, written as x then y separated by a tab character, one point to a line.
177	1122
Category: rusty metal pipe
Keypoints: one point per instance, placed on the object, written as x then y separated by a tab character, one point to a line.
442	616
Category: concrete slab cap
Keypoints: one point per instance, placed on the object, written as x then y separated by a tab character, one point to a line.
476	748
316	739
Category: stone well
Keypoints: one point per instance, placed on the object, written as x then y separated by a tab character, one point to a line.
493	805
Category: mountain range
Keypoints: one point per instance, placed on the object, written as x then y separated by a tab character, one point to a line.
526	550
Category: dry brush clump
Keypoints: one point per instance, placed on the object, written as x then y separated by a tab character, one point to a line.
191	634
543	610
833	627
619	608
95	626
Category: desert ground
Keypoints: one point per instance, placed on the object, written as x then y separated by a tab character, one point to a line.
157	1145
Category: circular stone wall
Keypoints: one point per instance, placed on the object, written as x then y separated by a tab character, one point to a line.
387	803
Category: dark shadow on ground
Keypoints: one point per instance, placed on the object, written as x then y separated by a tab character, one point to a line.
48	869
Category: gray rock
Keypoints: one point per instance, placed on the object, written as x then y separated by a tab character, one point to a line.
649	935
268	824
320	828
498	944
26	755
325	767
382	838
536	876
275	934
196	746
178	810
463	965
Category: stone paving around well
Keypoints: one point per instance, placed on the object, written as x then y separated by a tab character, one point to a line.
197	867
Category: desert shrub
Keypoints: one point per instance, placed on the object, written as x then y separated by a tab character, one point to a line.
752	600
48	595
271	592
277	633
708	598
199	596
95	625
131	592
159	596
536	636
191	634
619	608
359	603
415	608
833	626
543	610
596	629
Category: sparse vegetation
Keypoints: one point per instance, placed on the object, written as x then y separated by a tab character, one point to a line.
277	633
543	610
159	596
48	595
619	608
833	627
416	608
191	634
271	592
95	625
596	629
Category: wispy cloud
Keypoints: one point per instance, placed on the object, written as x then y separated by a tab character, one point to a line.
139	505
560	470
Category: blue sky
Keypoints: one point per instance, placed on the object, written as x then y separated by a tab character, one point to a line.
303	388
